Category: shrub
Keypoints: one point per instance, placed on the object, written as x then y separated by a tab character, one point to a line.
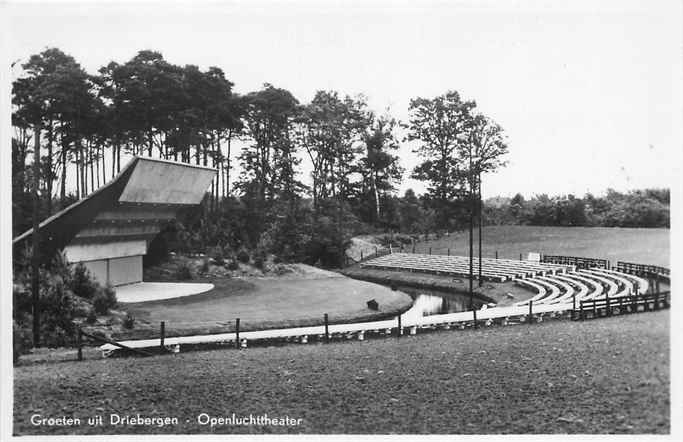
129	321
259	261
57	311
243	256
183	272
82	283
92	316
204	268
232	265
104	300
218	256
22	340
281	269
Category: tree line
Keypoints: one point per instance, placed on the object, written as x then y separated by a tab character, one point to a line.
83	124
636	208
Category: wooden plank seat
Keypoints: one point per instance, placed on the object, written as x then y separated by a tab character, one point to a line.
578	292
540	291
612	287
624	284
597	287
640	284
553	291
562	286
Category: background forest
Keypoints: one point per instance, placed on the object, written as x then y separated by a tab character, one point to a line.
296	180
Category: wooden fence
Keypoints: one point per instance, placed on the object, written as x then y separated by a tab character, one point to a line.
608	306
642	269
579	262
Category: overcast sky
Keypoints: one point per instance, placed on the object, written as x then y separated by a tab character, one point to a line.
589	94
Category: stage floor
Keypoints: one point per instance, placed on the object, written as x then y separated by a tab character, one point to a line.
154	291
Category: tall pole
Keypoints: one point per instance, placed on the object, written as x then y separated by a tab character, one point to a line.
35	258
471	177
481	281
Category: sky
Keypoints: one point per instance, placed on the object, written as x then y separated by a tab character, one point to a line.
589	93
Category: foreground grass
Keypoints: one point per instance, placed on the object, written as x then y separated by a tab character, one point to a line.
645	246
602	376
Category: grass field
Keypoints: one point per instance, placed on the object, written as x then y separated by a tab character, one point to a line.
645	246
601	376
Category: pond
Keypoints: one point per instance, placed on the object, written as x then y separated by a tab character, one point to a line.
433	302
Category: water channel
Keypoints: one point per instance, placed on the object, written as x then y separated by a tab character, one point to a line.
434	302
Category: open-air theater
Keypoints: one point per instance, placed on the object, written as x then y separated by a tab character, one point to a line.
110	230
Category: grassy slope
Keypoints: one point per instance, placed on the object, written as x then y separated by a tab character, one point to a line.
646	246
602	376
264	303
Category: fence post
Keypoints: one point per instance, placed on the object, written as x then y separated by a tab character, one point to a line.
376	249
449	251
430	250
237	333
162	335
79	343
496	254
399	331
581	315
361	255
573	305
327	328
607	308
474	313
531	303
520	256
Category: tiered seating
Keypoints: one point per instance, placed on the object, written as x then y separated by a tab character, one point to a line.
597	287
581	285
640	284
579	290
551	283
612	288
499	270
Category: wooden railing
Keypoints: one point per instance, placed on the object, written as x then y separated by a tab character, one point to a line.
579	262
641	269
608	306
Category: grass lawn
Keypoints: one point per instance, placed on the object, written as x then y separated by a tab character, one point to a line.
645	246
602	376
264	303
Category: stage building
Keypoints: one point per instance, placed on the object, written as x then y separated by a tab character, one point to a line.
110	230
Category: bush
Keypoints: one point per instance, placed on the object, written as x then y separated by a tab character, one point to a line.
92	316
82	283
204	268
129	322
243	256
232	265
22	340
259	261
104	300
218	256
183	272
